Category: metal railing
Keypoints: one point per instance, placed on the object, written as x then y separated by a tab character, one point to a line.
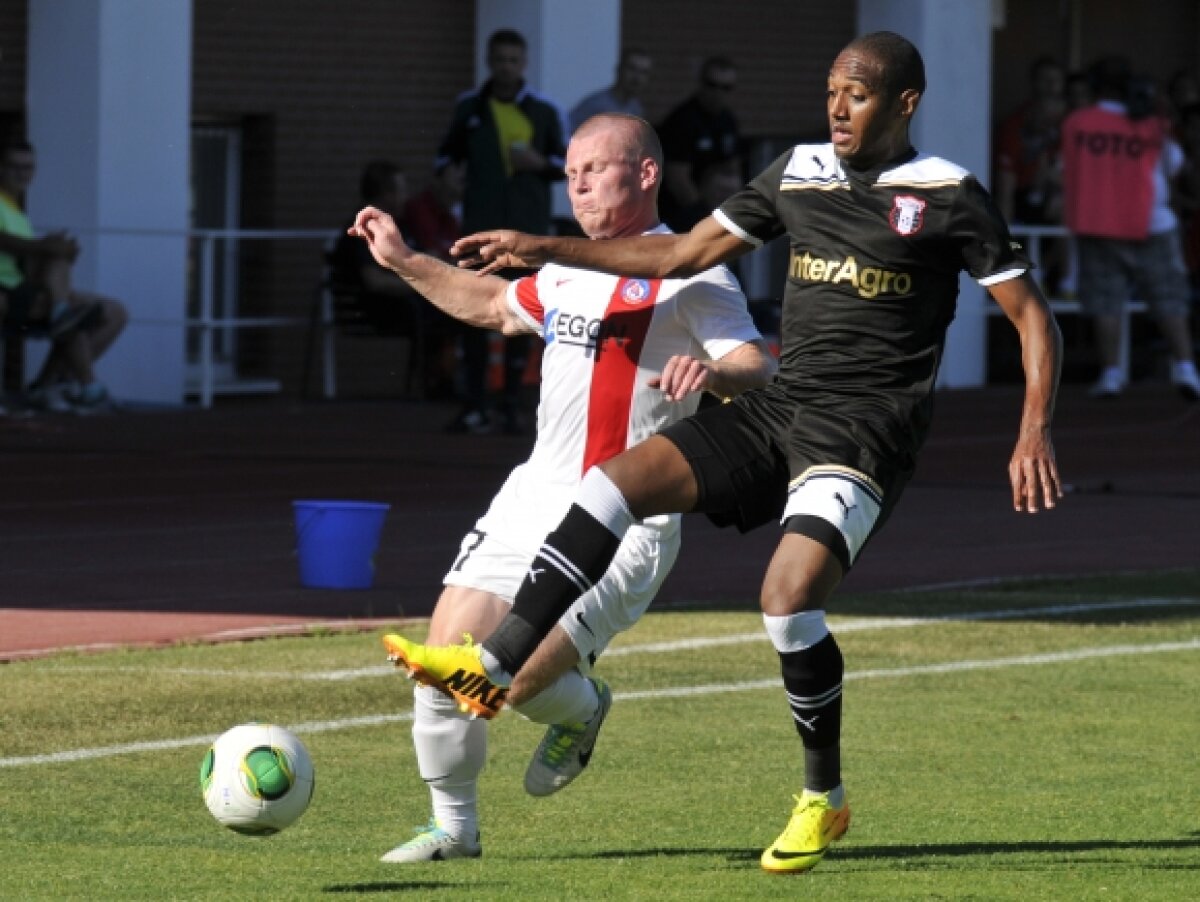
1032	237
206	325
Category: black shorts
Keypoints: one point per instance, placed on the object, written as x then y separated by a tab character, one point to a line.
740	469
746	454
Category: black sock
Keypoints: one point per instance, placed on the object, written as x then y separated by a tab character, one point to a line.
570	561
813	680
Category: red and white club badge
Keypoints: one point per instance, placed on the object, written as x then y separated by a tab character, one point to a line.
907	215
635	291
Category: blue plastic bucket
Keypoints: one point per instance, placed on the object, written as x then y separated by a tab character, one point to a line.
336	542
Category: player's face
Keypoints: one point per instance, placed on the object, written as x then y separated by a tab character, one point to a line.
867	126
609	192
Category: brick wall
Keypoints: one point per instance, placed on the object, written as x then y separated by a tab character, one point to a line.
322	87
782	49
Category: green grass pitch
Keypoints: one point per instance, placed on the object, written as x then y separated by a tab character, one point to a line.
1035	740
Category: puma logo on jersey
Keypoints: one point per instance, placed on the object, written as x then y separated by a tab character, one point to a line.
868	281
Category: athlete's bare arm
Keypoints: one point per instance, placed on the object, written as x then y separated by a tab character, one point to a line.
463	295
644	256
747	366
1032	469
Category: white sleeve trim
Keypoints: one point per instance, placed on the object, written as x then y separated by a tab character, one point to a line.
718	348
514	304
731	226
1004	276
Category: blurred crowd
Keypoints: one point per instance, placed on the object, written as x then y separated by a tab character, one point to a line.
1106	157
1114	157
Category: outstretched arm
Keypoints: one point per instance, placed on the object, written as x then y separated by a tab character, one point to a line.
463	295
644	256
1032	470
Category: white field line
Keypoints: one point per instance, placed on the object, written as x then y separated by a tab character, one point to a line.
1062	657
860	624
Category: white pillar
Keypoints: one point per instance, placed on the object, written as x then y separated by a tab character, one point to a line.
953	121
573	49
109	109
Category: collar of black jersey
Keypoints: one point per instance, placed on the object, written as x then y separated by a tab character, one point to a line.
871	176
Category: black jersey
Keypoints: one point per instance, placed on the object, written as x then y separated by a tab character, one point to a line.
871	289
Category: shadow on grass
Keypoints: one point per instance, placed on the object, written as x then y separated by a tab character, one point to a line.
931	850
393	886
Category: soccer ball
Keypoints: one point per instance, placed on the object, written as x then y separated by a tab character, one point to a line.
257	778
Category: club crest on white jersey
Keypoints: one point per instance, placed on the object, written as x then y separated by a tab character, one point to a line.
635	291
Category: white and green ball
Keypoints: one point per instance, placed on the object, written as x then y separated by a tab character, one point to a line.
257	778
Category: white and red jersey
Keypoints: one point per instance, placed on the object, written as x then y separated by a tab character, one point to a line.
606	337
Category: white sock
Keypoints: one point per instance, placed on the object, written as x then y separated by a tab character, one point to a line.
837	796
796	632
491	666
572	698
451	751
603	500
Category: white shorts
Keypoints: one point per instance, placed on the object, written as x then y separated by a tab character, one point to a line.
845	499
615	603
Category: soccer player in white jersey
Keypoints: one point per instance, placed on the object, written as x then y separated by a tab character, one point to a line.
624	358
879	234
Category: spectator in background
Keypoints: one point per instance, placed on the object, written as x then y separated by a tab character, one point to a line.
1078	91
698	134
719	180
40	300
1118	159
512	143
384	301
1028	176
624	95
433	219
1187	192
1027	148
1078	94
1183	90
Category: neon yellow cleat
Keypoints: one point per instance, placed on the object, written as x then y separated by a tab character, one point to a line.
453	669
802	844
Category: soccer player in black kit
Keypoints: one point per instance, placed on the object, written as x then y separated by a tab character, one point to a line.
878	236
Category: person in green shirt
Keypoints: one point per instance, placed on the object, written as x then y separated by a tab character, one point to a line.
37	298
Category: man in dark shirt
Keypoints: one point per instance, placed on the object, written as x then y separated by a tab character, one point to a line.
383	300
878	235
512	141
699	135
